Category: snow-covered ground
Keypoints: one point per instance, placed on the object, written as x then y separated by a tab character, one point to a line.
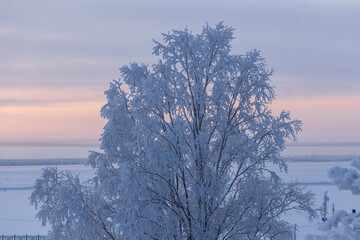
17	216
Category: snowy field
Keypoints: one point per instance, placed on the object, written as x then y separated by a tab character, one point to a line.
313	176
17	216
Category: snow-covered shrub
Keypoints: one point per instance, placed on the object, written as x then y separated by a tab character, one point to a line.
343	225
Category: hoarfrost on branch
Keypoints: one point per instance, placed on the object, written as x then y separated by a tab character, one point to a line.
186	149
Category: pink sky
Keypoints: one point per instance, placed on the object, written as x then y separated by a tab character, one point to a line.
47	113
326	118
75	114
57	59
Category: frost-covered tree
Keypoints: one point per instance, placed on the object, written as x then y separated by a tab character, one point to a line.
343	225
186	149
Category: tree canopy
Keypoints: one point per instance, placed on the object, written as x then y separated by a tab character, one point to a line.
186	149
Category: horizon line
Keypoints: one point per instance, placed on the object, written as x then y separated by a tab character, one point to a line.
51	143
96	143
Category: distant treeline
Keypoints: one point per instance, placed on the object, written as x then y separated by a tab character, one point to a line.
78	161
319	158
47	161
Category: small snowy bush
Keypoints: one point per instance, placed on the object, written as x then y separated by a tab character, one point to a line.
343	225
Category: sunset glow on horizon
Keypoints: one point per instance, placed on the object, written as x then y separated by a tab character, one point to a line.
57	114
57	59
325	119
38	114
